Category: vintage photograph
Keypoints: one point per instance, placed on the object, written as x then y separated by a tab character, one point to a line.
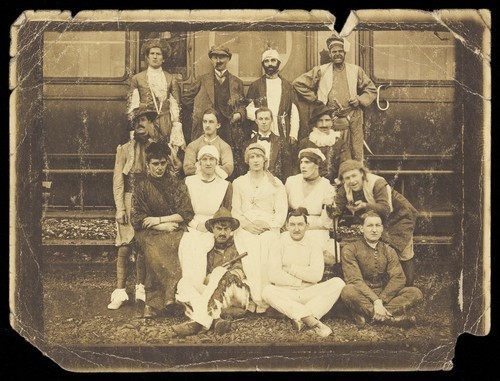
250	189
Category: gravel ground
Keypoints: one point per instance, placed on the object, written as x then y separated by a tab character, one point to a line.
75	303
81	228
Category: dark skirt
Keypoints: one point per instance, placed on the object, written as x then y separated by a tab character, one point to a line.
163	269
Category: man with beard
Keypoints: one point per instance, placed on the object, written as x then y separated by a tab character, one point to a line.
327	139
223	292
343	87
277	94
130	167
161	210
222	91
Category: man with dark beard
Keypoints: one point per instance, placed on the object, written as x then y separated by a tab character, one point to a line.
277	94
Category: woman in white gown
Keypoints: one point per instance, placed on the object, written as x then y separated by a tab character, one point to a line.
260	204
208	192
313	192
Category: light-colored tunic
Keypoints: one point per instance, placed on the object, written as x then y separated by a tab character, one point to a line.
266	202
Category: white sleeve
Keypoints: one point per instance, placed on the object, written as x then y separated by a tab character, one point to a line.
251	111
294	122
135	100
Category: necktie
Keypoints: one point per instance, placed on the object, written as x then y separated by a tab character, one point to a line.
220	78
265	139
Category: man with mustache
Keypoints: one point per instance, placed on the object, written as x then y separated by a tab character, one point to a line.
343	87
223	293
222	91
277	94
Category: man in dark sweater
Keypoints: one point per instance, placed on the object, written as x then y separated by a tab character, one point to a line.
375	282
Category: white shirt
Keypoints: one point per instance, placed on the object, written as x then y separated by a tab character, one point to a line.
265	144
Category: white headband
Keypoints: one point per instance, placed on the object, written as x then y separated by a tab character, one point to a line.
271	53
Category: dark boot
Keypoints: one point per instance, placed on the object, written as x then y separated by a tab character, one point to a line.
408	269
187	329
222	326
150	312
403	321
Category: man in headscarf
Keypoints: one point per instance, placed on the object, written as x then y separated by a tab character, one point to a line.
276	93
343	87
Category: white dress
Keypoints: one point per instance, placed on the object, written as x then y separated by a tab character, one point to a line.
266	202
313	202
206	199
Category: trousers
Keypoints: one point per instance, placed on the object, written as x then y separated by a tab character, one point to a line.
315	300
356	301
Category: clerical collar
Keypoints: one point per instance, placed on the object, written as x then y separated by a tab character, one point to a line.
155	70
373	246
219	73
209	140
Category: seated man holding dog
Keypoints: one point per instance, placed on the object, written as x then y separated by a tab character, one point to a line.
223	292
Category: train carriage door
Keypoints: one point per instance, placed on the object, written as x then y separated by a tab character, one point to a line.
411	129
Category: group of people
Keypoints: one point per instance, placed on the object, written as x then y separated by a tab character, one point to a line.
239	221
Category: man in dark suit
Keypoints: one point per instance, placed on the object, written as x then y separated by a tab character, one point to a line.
277	153
222	91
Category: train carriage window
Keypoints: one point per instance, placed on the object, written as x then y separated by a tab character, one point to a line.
413	55
84	54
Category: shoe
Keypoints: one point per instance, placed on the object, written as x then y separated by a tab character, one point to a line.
297	325
140	292
359	320
402	321
186	329
232	313
222	326
118	298
150	312
322	330
274	314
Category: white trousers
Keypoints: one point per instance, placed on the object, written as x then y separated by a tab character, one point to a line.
315	300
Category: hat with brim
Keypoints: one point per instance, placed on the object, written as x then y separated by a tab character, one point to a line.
221	51
334	40
148	111
222	215
319	111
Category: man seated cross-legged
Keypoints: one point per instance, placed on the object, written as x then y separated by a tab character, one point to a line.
296	265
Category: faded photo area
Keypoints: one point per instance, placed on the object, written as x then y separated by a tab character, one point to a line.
250	190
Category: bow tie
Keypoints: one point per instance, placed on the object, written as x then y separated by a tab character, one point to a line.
265	139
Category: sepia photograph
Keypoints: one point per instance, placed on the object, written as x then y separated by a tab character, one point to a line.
242	190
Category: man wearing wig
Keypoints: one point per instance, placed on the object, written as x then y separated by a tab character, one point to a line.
363	191
260	205
343	87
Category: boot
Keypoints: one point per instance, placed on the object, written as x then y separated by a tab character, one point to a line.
187	328
409	269
118	298
222	326
402	321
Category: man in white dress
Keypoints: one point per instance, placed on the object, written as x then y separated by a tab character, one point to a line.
260	204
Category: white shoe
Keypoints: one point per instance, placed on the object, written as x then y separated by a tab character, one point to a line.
322	330
118	297
140	292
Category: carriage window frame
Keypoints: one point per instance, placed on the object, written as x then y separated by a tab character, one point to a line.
93	79
407	81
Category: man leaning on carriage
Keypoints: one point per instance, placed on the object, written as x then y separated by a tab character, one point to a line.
246	223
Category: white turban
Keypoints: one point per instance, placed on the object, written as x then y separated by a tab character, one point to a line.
271	53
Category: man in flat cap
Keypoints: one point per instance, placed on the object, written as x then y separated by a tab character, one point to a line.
222	91
223	293
344	88
326	136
